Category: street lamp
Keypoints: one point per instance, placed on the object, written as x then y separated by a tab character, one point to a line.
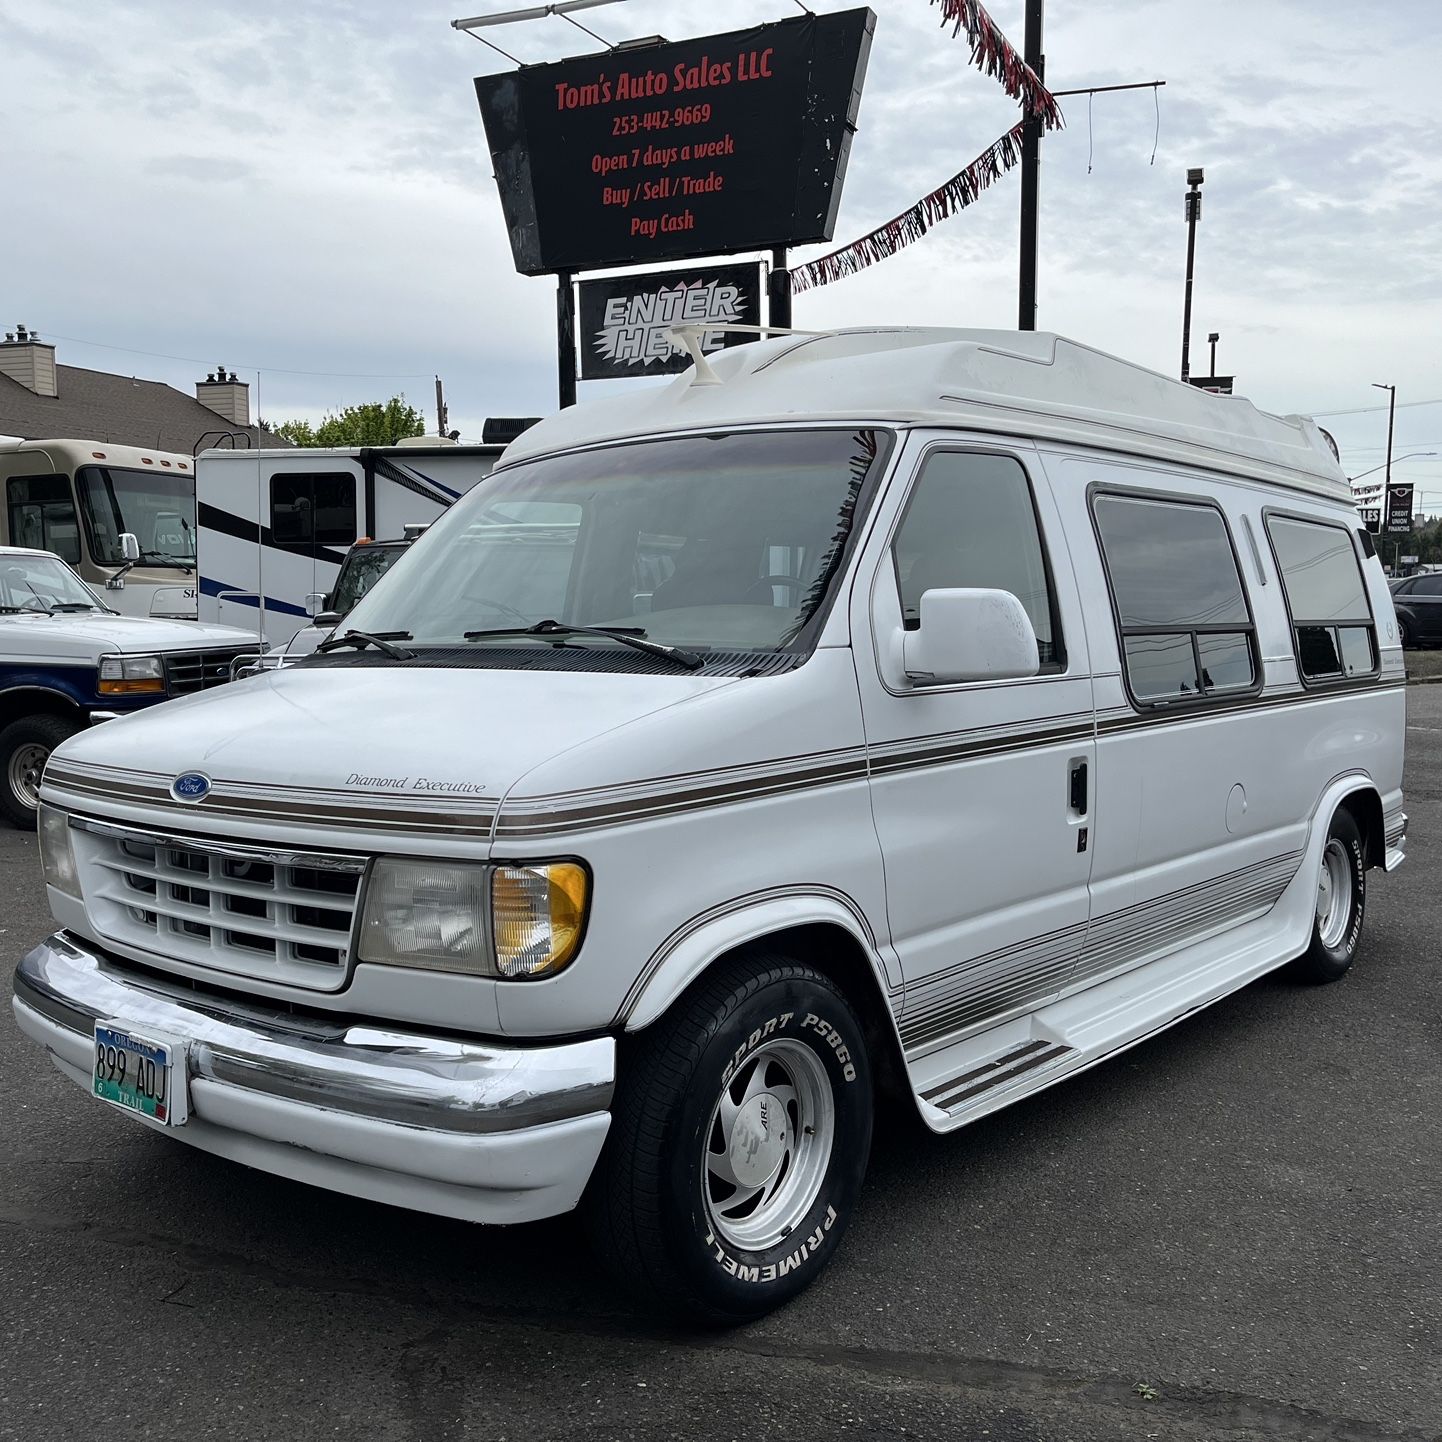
1194	214
1410	456
1212	340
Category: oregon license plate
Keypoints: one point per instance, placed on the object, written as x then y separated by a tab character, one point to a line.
141	1074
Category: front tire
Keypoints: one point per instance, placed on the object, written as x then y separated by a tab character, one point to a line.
739	1140
25	747
1404	634
1341	905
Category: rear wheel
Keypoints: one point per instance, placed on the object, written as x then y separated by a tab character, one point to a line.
25	747
1404	634
739	1140
1341	905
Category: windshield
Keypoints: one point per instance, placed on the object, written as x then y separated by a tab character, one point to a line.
157	507
725	542
362	569
41	583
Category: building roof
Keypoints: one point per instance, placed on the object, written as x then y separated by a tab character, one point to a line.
100	406
1027	383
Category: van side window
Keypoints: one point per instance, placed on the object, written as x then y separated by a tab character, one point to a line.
970	522
42	515
1326	598
1186	628
312	509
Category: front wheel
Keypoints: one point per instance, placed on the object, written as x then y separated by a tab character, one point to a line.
1341	905
1404	634
25	747
739	1140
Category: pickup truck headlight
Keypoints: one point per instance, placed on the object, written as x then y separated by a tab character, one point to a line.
57	854
433	914
132	676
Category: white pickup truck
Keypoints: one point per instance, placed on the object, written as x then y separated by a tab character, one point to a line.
67	660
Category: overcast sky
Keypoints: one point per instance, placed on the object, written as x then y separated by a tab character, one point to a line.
303	186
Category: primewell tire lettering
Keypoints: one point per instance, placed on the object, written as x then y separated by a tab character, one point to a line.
826	1030
746	1272
758	1035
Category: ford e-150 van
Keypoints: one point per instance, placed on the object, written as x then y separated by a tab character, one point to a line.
935	712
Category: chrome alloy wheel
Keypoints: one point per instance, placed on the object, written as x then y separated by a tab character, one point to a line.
1334	894
769	1145
27	763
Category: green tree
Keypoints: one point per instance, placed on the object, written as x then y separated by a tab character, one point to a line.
375	423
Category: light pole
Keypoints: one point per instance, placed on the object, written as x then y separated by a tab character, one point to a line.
1410	456
1194	214
1212	340
1387	479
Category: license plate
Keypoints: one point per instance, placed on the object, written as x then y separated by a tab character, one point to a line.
141	1074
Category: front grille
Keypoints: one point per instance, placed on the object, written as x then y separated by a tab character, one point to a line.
189	671
279	916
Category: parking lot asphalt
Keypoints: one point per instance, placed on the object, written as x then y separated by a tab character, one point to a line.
1231	1232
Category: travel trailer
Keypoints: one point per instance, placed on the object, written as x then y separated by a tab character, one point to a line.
79	499
275	525
930	712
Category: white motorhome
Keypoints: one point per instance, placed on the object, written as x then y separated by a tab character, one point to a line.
275	525
79	499
945	711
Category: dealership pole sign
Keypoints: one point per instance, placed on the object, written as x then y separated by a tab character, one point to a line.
1399	510
627	322
671	152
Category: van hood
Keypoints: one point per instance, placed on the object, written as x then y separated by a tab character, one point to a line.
372	734
91	634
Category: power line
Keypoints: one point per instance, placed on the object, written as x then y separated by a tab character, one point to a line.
1372	410
273	370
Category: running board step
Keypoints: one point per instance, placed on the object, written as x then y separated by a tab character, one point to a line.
957	1093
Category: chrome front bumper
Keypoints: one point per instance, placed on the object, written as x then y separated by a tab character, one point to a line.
463	1129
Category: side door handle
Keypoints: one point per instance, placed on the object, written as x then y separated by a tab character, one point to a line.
1077	788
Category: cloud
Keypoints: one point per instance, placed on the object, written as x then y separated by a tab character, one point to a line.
307	188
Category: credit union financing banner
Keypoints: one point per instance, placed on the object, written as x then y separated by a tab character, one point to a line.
730	143
1399	510
626	321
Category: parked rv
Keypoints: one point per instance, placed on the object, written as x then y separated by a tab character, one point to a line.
68	660
81	498
275	525
945	711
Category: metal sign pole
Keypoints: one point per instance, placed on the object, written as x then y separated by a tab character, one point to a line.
779	290
566	338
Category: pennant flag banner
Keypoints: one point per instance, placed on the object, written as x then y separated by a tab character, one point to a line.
911	225
993	54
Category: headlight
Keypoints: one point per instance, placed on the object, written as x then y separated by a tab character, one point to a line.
433	915
57	855
132	676
537	916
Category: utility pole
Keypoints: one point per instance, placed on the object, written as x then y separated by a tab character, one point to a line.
442	417
1030	175
1387	479
1194	214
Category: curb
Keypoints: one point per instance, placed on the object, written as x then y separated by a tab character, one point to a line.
1424	680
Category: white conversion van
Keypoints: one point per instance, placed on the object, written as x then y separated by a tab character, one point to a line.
938	711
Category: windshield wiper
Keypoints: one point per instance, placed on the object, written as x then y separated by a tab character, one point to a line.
73	606
632	636
166	559
381	640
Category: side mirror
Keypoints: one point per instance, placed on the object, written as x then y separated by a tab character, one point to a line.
314	602
326	620
129	546
970	635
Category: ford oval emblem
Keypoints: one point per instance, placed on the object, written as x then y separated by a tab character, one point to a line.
190	786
